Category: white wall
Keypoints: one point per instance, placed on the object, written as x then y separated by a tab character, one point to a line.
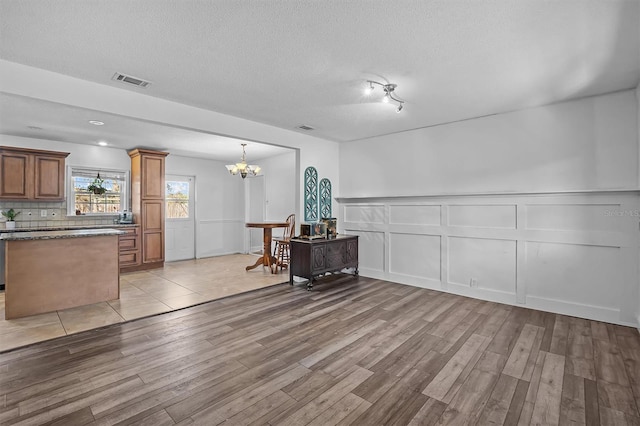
219	205
585	144
280	176
575	253
638	121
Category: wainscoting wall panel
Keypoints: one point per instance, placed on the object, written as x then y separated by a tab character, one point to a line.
415	255
583	217
369	214
572	253
414	215
483	216
482	263
371	248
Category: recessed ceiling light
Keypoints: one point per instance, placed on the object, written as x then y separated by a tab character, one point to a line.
102	143
96	122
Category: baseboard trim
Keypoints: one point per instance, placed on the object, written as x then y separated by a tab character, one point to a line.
595	313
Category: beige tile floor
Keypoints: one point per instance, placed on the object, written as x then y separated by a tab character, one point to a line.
177	285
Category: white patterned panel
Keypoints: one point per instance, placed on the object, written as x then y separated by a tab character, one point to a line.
416	255
414	215
483	216
588	275
492	263
576	217
364	214
370	249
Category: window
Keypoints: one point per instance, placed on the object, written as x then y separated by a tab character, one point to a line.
177	199
82	201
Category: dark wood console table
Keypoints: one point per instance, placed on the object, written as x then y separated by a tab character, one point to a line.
310	258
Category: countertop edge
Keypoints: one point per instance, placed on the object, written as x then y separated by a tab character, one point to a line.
58	234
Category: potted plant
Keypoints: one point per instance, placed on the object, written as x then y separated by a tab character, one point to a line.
11	216
97	186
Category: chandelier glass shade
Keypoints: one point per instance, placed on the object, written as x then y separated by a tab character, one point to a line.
242	167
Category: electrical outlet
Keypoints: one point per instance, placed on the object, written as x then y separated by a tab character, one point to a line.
473	283
43	213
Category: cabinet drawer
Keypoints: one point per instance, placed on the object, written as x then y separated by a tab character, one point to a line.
129	231
128	243
129	258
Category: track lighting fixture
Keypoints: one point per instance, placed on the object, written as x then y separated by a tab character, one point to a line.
388	90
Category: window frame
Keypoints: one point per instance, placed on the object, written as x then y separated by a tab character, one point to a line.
166	201
125	198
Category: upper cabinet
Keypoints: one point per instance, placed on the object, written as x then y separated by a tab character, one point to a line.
31	174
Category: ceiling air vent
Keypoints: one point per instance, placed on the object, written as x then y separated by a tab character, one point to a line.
131	80
305	127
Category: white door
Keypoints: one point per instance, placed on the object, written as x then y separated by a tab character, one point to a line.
255	211
180	241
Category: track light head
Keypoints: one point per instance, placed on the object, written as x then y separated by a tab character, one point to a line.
369	89
388	89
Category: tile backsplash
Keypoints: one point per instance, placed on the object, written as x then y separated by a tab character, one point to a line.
29	216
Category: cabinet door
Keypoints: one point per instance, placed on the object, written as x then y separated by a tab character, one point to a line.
352	250
336	254
153	250
152	216
317	257
152	231
49	177
152	177
16	175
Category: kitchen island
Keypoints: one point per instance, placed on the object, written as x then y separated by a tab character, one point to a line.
47	271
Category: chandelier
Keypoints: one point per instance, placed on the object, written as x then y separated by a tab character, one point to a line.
388	90
242	167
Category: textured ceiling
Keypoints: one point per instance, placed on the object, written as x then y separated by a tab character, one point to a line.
293	62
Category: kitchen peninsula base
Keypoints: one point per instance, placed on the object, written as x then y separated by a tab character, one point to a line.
45	275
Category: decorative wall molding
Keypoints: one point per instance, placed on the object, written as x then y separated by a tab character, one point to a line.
367	199
574	253
325	198
210	221
311	194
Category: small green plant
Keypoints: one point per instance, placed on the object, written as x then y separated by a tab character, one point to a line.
10	215
97	186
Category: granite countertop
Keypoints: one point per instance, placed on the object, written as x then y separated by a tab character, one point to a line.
48	235
70	227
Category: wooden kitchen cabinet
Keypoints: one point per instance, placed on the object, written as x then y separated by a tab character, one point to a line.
311	258
147	196
129	247
31	174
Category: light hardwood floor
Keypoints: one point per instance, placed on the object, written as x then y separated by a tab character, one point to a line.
177	285
353	351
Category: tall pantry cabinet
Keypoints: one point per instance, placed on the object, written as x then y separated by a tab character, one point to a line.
147	200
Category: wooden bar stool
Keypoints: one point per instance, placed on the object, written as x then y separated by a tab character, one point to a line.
282	244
